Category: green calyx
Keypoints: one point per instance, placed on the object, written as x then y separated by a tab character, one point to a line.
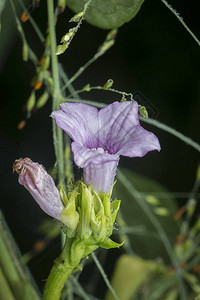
89	216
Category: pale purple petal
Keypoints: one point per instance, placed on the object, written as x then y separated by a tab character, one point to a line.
84	156
138	142
40	185
79	121
100	177
115	122
100	137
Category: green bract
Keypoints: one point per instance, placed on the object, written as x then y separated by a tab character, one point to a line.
107	14
89	217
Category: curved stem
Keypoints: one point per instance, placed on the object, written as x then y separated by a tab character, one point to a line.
181	20
174	132
163	236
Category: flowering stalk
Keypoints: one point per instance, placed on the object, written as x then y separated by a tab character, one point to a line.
88	217
89	229
57	133
99	138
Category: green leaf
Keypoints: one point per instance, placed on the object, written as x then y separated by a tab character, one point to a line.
107	14
147	242
130	272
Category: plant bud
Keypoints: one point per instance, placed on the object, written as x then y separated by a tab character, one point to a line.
40	185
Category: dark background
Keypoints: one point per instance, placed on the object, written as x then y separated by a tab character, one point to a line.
153	55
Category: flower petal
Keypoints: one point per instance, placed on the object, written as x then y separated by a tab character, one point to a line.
79	121
84	156
100	177
115	122
138	142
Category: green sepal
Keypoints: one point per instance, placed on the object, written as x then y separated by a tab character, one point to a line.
115	205
108	244
69	215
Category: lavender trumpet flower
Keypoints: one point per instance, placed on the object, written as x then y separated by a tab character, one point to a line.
40	185
100	137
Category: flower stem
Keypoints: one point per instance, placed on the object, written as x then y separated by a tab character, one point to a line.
181	20
59	274
57	132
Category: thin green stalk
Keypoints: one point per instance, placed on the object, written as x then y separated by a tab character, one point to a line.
93	103
57	132
33	23
172	131
64	77
137	196
79	72
32	55
181	20
150	121
80	290
101	270
98	87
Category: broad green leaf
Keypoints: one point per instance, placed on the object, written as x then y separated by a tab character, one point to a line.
107	14
147	242
130	272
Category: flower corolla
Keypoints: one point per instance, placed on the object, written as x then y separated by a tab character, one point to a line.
41	186
101	136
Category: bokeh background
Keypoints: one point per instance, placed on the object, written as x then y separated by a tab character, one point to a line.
153	56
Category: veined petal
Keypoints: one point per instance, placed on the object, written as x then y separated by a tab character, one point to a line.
84	156
100	177
138	142
115	122
79	121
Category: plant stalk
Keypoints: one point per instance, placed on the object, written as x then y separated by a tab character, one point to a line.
57	132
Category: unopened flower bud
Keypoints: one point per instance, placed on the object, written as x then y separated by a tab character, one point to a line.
40	185
108	84
60	49
77	17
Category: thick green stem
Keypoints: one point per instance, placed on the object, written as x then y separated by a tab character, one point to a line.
57	132
62	268
59	274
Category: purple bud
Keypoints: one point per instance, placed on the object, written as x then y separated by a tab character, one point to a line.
40	185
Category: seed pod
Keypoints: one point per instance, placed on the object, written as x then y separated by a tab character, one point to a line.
42	100
25	52
31	102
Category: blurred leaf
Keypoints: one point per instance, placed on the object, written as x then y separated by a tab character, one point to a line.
2	6
171	295
147	243
14	270
5	290
107	14
130	272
